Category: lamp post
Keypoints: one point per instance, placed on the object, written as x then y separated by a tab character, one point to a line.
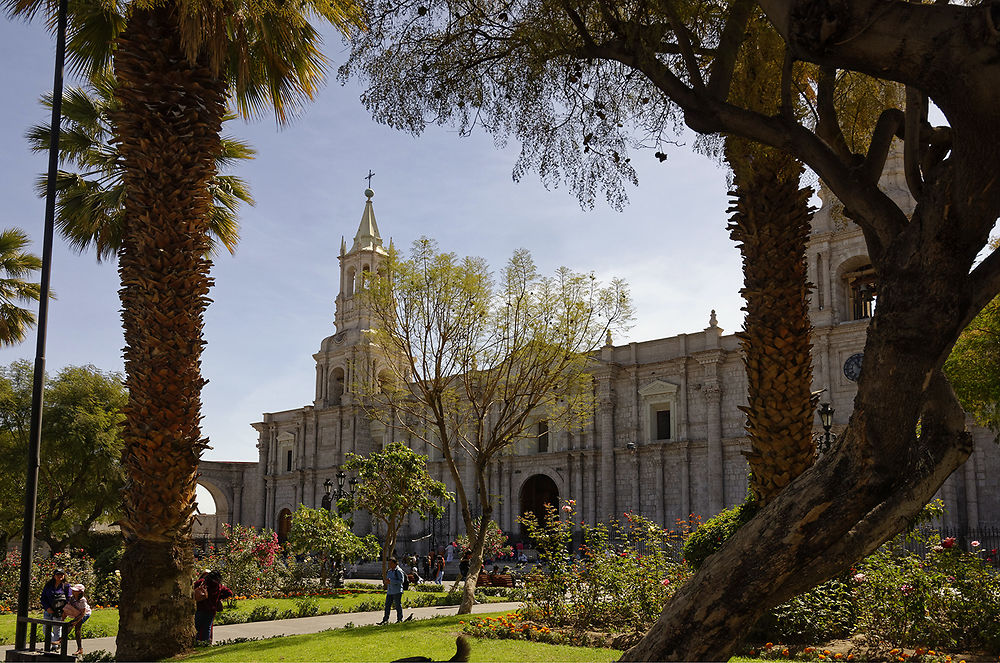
826	419
38	377
327	497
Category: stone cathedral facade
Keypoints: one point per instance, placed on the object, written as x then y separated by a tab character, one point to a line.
666	439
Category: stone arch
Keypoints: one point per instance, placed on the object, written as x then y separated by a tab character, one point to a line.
536	491
283	524
337	385
210	525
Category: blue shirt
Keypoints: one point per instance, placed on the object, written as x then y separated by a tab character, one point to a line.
395	577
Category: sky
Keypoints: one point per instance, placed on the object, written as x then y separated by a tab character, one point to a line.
273	301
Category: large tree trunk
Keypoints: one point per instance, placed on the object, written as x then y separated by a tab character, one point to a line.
168	125
770	222
878	476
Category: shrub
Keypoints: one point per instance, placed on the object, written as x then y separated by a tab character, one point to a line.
709	538
306	606
826	612
623	580
263	613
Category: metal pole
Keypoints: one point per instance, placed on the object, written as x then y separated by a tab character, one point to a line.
35	431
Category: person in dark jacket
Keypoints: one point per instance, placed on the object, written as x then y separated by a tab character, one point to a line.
205	609
55	594
463	566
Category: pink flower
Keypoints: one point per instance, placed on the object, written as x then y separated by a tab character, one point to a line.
567	508
906	589
949	542
974	544
666	581
859	578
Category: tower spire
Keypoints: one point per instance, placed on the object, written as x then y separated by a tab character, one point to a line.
367	237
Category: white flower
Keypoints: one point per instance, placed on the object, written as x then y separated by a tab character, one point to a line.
859	578
974	544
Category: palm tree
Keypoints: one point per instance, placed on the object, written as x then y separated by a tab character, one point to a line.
175	65
90	208
16	265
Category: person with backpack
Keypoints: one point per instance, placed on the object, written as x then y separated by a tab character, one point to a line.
393	581
209	593
55	595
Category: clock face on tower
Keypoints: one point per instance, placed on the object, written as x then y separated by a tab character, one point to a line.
852	367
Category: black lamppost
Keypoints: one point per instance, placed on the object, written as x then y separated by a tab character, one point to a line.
341	478
826	419
37	387
327	497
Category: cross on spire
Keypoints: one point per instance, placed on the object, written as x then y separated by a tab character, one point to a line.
369	177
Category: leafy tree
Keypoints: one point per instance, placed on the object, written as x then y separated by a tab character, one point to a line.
90	210
319	532
392	484
175	65
16	264
580	83
80	477
469	364
974	365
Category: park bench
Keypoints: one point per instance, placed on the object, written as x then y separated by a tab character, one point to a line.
501	580
33	654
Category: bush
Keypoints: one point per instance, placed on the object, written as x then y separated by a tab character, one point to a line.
263	613
78	566
710	537
947	598
625	577
826	612
306	606
427	587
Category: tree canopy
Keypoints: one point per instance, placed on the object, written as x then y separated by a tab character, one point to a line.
470	363
319	532
578	83
80	477
16	265
392	484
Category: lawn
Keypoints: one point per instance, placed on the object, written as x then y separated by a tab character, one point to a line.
430	637
104	622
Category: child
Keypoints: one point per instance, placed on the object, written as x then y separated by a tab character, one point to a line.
78	610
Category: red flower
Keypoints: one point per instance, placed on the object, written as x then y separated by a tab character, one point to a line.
949	542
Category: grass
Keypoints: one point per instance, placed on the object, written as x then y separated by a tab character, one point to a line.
431	637
104	622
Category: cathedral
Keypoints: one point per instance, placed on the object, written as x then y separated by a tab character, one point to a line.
666	440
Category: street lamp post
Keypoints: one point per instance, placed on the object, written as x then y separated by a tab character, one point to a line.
826	419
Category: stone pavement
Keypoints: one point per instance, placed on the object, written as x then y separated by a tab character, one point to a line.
309	624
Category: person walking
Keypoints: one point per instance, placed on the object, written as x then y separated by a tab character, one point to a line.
439	569
393	582
55	595
79	611
209	593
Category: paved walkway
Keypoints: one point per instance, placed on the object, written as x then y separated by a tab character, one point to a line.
309	624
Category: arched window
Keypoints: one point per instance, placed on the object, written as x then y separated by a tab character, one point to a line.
862	291
336	386
543	436
349	282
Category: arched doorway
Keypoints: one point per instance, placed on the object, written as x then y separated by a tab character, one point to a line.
536	492
284	525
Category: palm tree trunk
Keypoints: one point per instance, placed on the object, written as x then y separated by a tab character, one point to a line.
776	334
168	128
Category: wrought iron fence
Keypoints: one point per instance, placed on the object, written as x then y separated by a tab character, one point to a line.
987	538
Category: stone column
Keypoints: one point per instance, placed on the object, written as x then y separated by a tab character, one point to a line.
606	410
636	470
971	493
714	461
659	483
685	478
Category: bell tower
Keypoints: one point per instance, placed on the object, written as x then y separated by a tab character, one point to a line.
366	257
339	354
